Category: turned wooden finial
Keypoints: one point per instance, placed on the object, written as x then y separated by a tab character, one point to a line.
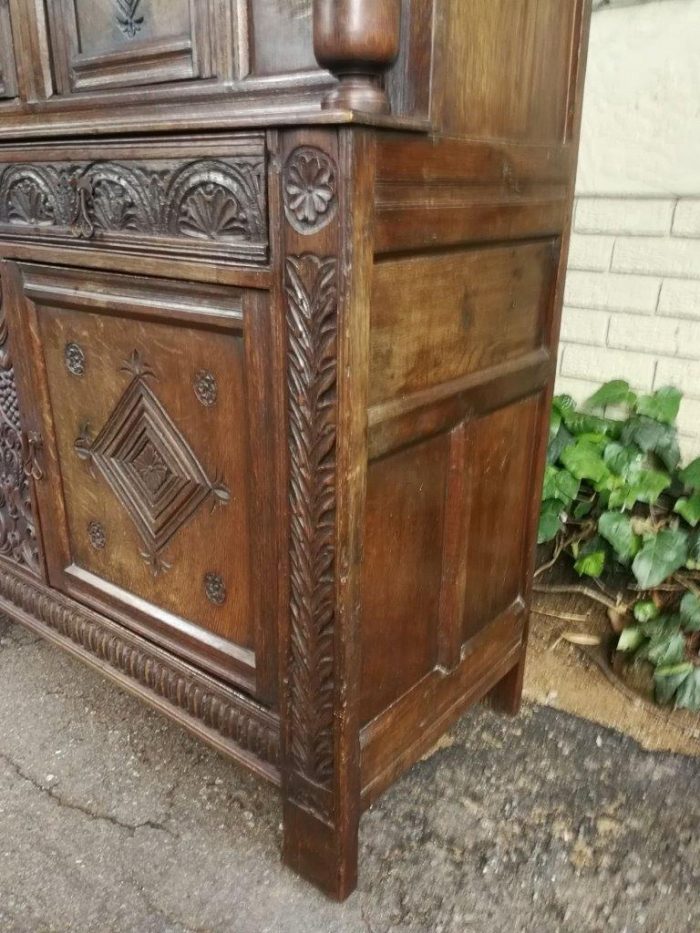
357	40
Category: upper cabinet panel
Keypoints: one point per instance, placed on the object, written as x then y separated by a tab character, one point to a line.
8	81
508	67
103	44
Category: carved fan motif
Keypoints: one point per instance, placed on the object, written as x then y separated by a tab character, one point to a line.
149	465
212	212
29	204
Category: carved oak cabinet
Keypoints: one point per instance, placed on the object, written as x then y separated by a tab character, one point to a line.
281	287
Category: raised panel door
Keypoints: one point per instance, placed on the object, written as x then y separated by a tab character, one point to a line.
157	479
108	44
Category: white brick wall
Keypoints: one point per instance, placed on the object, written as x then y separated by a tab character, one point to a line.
632	300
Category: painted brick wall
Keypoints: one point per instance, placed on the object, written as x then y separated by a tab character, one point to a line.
632	301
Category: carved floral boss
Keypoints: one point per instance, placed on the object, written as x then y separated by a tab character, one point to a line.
149	465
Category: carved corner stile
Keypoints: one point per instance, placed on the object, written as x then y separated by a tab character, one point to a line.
320	735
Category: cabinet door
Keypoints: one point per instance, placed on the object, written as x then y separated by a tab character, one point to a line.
102	44
8	79
157	420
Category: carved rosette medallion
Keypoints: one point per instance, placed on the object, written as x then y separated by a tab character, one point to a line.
97	535
18	540
74	356
311	286
205	387
215	589
149	465
310	190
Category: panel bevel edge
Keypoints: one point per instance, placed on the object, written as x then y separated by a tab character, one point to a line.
230	722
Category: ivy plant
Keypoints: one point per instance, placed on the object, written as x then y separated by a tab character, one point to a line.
617	499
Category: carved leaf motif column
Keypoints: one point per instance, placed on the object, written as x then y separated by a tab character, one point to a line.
18	540
320	725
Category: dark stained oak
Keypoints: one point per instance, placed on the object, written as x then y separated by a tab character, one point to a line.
281	285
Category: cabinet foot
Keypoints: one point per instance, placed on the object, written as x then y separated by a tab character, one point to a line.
506	696
322	854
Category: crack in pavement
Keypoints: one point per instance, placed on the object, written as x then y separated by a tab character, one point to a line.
169	918
80	808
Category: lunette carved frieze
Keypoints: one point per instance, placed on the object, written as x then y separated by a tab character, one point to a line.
218	202
238	720
311	288
18	540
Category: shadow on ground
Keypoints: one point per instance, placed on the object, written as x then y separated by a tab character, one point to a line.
111	819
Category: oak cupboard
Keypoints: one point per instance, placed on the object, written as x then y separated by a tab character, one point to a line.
281	287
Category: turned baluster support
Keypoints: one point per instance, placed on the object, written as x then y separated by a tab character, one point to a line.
357	40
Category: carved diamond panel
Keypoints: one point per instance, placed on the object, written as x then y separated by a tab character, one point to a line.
150	466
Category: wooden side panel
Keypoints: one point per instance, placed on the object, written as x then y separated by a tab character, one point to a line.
401	573
505	68
500	449
436	318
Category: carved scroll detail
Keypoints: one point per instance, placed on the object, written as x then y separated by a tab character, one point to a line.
311	287
17	529
237	720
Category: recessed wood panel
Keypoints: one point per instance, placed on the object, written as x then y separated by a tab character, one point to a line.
498	492
8	77
402	571
505	70
288	20
436	318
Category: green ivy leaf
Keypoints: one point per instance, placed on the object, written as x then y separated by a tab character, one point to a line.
662	406
660	556
690	612
617	392
653	437
617	531
630	639
579	422
661	625
693	562
550	521
666	650
688	694
690	475
583	509
554	424
621	460
562	440
689	509
563	404
645	610
584	461
592	558
667	680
